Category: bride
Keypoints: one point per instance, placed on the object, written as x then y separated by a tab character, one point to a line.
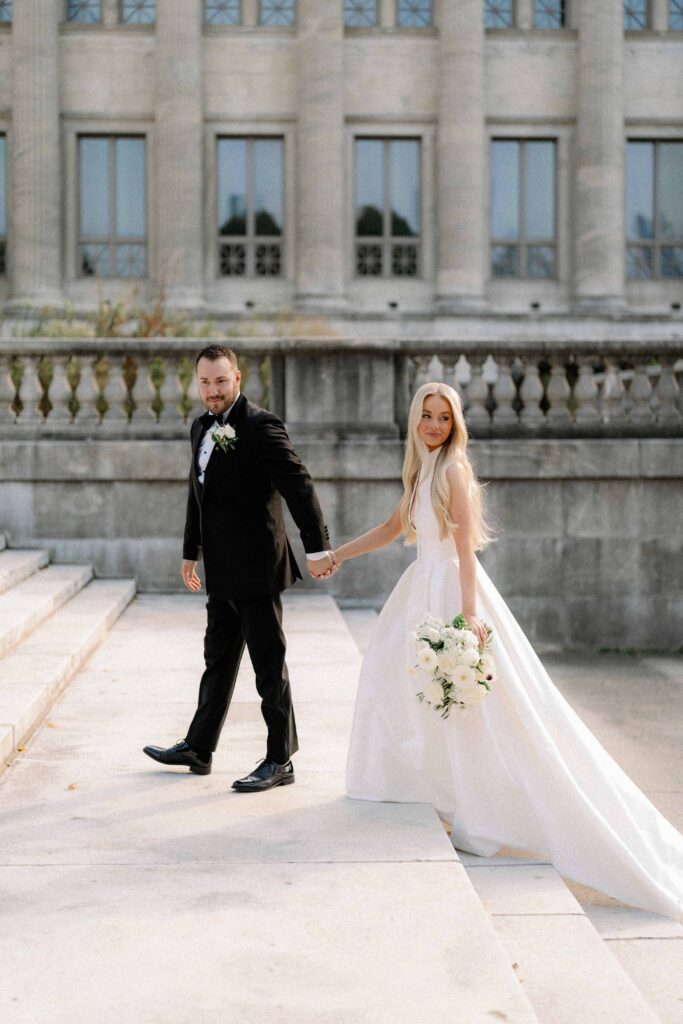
520	769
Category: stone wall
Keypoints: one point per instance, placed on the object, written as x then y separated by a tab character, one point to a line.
589	551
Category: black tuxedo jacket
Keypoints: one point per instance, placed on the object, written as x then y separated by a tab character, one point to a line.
236	517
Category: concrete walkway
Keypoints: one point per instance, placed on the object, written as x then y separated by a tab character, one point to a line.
142	895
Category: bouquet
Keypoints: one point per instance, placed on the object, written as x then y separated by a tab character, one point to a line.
453	670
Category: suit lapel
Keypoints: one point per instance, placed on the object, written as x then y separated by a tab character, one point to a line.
234	414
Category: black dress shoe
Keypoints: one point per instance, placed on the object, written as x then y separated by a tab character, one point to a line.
181	754
267	775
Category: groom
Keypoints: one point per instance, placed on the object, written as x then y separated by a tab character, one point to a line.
242	461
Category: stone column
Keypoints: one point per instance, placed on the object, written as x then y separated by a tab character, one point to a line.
599	196
177	189
462	176
320	160
35	253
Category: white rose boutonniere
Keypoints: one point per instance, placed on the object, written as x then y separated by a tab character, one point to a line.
225	437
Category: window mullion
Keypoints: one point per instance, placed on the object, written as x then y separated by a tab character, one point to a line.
249	241
112	206
386	230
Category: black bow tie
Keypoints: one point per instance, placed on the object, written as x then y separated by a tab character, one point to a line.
216	418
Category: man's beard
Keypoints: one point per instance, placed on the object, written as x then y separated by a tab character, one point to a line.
222	404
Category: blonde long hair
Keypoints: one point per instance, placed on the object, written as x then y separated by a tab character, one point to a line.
454	449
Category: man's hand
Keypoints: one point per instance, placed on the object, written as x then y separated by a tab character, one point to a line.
321	568
190	577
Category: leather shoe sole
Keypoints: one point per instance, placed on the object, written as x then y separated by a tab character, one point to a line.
248	787
197	769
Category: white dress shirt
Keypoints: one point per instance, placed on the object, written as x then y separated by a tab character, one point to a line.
204	451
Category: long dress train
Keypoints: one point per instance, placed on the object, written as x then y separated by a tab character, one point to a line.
521	769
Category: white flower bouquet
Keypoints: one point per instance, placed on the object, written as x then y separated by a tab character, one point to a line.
454	671
225	437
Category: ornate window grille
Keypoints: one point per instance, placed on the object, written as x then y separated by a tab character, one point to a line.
550	13
523	208
636	15
414	13
86	12
387	239
654	209
360	13
138	12
499	13
250	207
277	12
676	15
222	12
112	231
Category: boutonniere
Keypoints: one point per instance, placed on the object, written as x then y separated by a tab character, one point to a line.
225	437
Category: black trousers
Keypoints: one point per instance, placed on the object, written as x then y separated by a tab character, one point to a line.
256	622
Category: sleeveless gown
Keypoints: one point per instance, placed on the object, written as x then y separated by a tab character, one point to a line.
521	769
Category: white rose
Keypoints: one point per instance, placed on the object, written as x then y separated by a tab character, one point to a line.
427	659
433	691
464	678
448	662
433	634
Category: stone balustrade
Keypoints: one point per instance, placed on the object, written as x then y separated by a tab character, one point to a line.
337	388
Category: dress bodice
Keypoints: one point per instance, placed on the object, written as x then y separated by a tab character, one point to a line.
430	546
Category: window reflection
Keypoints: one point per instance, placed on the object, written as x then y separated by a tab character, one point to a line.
654	209
414	13
388	197
636	14
5	10
138	12
250	206
112	206
676	14
360	13
222	12
84	11
277	12
523	218
499	13
549	13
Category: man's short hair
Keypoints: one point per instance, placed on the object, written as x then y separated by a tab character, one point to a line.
214	352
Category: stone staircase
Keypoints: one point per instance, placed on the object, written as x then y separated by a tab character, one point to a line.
52	617
560	953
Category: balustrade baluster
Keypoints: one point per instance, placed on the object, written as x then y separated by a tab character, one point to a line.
613	394
557	393
59	393
504	393
586	394
87	394
115	394
667	394
478	417
640	394
531	392
7	391
171	393
31	393
143	393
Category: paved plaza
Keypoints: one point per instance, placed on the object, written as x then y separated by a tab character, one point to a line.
147	895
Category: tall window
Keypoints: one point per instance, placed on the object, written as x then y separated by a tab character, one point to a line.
523	218
112	206
5	11
222	12
414	13
676	14
636	15
3	205
277	12
360	13
387	229
84	11
250	207
499	13
550	13
654	209
138	12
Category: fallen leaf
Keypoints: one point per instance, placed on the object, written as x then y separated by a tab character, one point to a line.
20	749
51	725
72	785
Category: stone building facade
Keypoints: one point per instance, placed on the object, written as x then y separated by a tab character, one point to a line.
366	160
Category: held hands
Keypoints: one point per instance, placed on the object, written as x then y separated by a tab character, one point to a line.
190	577
322	568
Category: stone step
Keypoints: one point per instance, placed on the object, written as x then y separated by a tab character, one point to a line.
29	603
568	973
35	672
16	566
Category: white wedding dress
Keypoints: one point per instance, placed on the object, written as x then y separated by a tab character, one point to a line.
521	769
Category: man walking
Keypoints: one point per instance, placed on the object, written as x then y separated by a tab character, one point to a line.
242	462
